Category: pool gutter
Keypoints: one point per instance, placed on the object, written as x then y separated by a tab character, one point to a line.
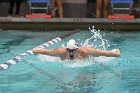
69	24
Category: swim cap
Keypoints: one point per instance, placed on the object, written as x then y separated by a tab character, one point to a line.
71	44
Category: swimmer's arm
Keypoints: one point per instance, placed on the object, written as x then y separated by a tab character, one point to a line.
97	53
54	52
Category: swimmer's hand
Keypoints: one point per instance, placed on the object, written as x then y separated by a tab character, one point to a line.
116	52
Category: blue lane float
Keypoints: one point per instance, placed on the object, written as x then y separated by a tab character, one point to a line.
17	58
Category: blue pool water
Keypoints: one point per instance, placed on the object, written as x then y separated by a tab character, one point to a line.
102	75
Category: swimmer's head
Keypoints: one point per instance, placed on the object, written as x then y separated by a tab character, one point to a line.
71	44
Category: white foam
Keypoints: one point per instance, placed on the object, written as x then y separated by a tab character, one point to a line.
86	62
103	59
75	63
48	58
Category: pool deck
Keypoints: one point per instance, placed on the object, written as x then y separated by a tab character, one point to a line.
14	23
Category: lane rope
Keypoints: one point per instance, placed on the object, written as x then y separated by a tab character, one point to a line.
17	58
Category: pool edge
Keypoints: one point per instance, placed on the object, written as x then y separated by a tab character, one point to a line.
69	24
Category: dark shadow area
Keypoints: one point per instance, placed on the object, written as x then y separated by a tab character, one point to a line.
15	42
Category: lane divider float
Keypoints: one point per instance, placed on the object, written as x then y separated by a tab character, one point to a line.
17	58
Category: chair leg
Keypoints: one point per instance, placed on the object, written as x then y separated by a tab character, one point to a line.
130	11
112	8
30	7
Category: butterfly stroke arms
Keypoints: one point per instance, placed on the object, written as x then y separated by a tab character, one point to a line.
84	51
97	52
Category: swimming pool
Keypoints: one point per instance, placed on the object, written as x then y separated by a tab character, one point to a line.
35	75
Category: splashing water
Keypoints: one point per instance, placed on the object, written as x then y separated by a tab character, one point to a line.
96	40
86	62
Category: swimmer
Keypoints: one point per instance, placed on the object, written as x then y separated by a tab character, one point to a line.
72	51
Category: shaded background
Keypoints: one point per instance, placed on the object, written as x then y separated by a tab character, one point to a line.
72	8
